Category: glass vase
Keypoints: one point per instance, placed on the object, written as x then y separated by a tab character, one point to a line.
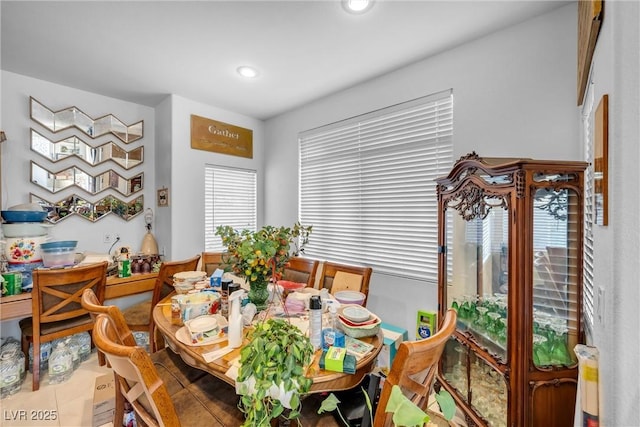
259	294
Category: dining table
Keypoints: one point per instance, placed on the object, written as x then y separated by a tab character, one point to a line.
200	355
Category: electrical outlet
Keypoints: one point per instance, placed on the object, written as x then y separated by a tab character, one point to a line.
107	238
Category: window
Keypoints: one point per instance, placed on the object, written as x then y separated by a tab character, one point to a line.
229	199
367	186
589	218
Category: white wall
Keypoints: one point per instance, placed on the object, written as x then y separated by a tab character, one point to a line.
514	95
616	72
187	173
16	157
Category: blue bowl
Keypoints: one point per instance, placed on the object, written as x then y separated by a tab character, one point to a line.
24	216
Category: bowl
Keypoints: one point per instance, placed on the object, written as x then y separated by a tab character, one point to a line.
196	304
360	331
59	254
25	229
350	297
202	329
24	216
189	276
355	313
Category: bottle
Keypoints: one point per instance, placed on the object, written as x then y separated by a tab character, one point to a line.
9	374
60	364
84	339
235	320
331	335
224	296
315	321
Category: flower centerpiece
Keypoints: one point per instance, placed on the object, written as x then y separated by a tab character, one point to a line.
260	256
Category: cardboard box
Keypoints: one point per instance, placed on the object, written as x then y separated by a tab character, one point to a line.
427	324
393	336
104	400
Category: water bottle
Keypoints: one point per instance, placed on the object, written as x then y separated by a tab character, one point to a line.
9	374
84	339
45	352
315	321
60	364
331	335
74	347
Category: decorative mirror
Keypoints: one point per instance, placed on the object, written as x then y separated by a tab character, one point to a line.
76	205
74	176
74	146
57	121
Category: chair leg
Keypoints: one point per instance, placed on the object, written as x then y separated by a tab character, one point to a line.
36	364
101	359
118	414
25	350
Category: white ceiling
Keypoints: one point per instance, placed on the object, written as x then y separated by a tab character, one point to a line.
143	50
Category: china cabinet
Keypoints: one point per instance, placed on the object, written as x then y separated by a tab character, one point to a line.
510	261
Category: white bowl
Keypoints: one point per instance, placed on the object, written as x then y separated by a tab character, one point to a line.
356	313
350	297
202	329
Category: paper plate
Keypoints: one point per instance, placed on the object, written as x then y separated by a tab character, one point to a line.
184	337
356	313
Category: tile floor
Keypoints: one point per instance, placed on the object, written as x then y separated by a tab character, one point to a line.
72	400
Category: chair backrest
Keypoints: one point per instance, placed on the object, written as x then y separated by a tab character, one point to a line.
137	379
91	303
210	261
301	270
164	281
330	269
56	293
414	368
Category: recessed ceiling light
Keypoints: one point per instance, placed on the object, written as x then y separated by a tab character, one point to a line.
247	71
357	6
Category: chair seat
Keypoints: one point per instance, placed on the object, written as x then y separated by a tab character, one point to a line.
138	314
26	325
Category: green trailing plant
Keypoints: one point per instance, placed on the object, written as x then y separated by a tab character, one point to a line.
405	412
272	372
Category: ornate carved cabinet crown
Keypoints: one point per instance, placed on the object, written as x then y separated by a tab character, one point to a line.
510	242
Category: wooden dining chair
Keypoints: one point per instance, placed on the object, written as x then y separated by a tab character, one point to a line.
413	369
301	270
56	308
139	316
351	277
157	395
210	261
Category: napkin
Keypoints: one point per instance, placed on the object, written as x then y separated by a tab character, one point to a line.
216	354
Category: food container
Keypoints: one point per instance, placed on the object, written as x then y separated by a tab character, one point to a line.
58	254
185	281
25	229
350	297
202	329
24	216
197	304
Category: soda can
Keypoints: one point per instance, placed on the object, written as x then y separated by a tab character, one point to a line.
12	283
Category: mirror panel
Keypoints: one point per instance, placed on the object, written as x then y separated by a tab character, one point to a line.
57	121
74	146
76	205
74	176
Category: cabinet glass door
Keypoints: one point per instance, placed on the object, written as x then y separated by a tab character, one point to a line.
556	241
477	274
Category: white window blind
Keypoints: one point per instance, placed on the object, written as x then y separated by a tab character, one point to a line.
588	285
229	199
367	186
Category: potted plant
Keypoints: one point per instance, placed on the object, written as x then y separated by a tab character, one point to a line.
260	256
272	372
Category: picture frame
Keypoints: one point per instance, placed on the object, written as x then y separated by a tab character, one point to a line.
163	197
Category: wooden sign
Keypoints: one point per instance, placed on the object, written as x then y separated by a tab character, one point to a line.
219	137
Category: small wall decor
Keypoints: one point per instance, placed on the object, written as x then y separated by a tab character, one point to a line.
57	121
601	162
163	197
219	137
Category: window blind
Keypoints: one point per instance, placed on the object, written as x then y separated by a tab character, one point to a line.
589	219
229	199
367	186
